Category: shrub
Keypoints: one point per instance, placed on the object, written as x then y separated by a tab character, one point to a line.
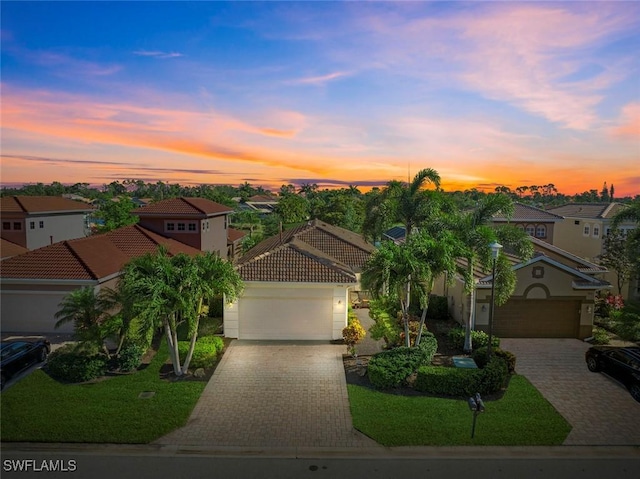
478	338
67	365
461	382
386	326
389	369
216	341
429	346
130	356
204	353
480	357
627	322
438	307
353	334
600	336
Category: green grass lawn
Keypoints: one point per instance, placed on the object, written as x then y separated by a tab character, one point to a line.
39	409
521	417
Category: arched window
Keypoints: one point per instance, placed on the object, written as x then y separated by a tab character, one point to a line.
541	231
530	230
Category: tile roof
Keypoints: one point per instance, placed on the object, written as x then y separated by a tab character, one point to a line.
90	258
199	207
234	235
313	252
588	210
9	248
41	204
522	212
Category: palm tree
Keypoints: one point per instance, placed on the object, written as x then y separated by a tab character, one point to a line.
172	290
476	234
89	311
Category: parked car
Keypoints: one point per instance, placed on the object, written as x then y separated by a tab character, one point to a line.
622	364
15	356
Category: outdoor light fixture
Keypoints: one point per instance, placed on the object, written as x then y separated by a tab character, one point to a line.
476	406
495	251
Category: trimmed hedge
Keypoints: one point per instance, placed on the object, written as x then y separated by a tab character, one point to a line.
479	339
462	382
389	369
130	357
480	357
74	367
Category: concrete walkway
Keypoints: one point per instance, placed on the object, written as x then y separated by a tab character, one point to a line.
601	410
267	394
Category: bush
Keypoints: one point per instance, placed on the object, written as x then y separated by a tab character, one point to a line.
480	357
386	326
353	334
478	339
627	322
67	365
390	369
130	357
461	382
600	336
205	352
438	307
216	341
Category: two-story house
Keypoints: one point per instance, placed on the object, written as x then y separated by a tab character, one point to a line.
534	221
36	221
33	284
583	231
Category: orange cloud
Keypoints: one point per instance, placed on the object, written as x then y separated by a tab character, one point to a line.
629	126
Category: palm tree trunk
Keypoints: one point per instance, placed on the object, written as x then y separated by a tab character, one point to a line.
424	314
173	347
405	313
192	346
470	320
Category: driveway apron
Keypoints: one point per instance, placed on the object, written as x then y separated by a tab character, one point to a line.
274	394
601	410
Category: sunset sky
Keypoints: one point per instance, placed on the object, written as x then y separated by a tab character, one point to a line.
355	93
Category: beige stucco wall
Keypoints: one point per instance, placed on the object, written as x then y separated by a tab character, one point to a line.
570	237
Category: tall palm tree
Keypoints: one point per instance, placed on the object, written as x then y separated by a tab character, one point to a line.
474	230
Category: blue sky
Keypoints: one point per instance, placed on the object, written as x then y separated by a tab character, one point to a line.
487	93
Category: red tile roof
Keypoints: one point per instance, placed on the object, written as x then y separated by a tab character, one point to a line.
198	207
234	235
313	252
8	248
41	204
89	258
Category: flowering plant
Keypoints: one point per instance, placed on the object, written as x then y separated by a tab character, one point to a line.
616	302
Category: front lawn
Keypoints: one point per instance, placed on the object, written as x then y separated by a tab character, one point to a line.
39	409
521	417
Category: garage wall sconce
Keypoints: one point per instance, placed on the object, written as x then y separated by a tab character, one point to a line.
588	309
484	308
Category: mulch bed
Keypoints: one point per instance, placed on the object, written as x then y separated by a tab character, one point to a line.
355	368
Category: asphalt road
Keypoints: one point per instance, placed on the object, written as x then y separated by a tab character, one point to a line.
137	464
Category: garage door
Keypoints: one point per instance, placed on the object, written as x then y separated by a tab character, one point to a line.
31	312
305	315
537	318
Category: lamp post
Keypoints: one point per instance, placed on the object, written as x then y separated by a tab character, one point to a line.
495	251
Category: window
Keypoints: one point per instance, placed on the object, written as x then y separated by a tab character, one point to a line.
207	225
32	225
192	226
576	222
171	226
541	231
586	230
41	225
181	227
530	230
17	226
225	221
596	231
6	225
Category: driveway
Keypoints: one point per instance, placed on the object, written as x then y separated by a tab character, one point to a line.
274	394
599	408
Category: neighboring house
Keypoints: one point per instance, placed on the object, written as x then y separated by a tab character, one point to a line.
198	222
34	283
9	249
583	230
262	204
37	221
297	284
554	296
234	244
536	222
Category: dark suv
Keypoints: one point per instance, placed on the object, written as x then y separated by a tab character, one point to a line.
621	363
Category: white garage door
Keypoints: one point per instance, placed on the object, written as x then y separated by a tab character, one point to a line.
32	312
297	314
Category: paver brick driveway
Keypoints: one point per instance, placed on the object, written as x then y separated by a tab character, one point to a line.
274	394
601	411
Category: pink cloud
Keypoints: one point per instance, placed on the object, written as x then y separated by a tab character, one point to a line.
629	124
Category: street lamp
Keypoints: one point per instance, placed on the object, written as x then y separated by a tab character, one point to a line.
495	251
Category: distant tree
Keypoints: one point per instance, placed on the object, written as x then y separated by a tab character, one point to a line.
611	192
244	219
116	214
292	208
287	190
604	193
